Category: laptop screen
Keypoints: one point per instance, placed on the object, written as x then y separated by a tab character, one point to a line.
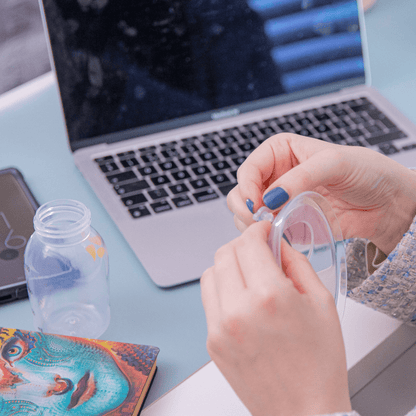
130	67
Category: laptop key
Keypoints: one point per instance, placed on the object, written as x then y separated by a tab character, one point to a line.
373	128
322	117
199	183
108	167
131	187
303	121
104	159
386	137
160	180
134	199
355	133
268	131
287	126
121	177
207	195
238	160
227	151
182	201
169	153
229	139
168	166
220	178
336	137
357	120
130	153
128	163
209	144
189	148
157	193
322	128
221	165
147	170
178	189
150	157
201	170
172	143
139	212
246	147
388	148
208	156
409	146
225	189
356	143
161	206
247	135
147	149
358	108
304	132
186	161
180	175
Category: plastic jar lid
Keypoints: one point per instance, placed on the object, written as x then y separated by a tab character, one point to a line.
310	226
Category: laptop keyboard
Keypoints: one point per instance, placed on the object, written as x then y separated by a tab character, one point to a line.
193	170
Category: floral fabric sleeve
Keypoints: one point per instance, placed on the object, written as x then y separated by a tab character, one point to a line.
391	288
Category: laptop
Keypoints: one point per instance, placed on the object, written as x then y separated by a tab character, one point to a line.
163	101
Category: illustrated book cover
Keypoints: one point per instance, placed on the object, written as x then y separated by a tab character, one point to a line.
54	375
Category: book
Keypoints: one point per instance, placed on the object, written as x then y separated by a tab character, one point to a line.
53	375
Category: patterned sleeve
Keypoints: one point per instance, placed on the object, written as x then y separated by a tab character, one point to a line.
391	288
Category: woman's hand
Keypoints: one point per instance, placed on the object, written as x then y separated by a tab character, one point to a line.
373	196
277	340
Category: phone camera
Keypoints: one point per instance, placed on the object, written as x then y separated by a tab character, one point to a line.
9	254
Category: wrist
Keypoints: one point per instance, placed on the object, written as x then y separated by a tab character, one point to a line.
402	212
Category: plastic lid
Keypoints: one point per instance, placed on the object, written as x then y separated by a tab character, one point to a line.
310	226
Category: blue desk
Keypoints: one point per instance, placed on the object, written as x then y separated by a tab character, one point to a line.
33	140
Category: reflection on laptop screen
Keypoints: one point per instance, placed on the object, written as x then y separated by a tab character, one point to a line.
124	64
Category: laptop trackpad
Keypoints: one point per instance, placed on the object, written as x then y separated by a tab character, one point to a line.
178	247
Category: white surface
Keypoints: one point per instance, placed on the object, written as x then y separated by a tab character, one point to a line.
207	393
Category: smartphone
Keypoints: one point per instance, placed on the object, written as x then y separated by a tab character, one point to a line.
17	209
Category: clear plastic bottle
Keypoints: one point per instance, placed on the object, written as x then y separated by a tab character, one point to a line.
66	267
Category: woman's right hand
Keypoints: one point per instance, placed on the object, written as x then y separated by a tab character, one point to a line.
372	196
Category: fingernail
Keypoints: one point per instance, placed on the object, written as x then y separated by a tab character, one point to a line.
250	205
275	198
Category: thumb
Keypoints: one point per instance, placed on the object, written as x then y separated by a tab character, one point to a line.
297	268
323	168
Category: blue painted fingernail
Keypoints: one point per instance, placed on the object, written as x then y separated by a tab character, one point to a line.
275	198
250	205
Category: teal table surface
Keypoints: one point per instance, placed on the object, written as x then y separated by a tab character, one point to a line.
33	139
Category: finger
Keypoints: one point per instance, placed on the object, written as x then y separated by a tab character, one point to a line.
210	300
298	269
324	168
272	159
237	205
256	260
253	175
228	276
240	225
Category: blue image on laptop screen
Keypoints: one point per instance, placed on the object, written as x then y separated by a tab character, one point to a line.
127	64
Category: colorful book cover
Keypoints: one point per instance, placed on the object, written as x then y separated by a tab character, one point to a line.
54	375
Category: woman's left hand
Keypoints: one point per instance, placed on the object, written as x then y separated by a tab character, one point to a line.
274	334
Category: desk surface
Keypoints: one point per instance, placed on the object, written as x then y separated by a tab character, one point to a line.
33	140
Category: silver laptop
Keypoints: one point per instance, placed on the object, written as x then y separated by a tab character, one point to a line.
163	100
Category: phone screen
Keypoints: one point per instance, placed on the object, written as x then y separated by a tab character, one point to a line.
16	226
